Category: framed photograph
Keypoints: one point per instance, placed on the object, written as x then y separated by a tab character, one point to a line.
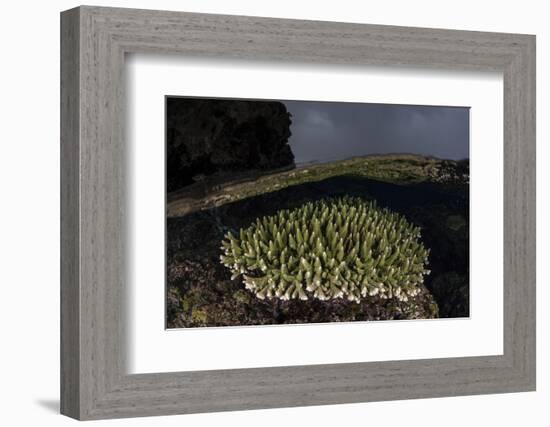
262	213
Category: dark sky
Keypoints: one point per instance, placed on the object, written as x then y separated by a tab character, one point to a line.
323	131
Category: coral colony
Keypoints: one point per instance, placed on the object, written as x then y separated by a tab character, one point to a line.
328	249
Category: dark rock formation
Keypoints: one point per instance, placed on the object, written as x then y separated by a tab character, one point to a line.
215	136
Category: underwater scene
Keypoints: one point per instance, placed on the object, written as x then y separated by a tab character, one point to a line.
291	212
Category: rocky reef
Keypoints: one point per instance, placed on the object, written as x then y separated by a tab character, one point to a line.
404	169
200	291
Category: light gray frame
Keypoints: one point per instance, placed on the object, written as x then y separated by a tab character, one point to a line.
94	383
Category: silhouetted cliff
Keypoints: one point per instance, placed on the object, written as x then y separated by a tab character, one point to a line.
209	136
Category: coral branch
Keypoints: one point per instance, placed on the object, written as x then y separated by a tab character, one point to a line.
333	248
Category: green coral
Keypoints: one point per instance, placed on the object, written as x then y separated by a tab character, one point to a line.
332	248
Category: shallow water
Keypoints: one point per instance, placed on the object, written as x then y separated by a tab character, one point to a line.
440	210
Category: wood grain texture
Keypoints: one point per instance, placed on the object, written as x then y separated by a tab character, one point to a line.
94	381
70	314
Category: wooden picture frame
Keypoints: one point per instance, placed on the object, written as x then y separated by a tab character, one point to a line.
94	382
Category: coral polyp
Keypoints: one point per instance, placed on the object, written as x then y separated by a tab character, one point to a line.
329	249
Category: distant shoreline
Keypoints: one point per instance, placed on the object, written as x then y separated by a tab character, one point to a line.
401	154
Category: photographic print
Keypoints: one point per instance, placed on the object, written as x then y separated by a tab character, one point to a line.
296	212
